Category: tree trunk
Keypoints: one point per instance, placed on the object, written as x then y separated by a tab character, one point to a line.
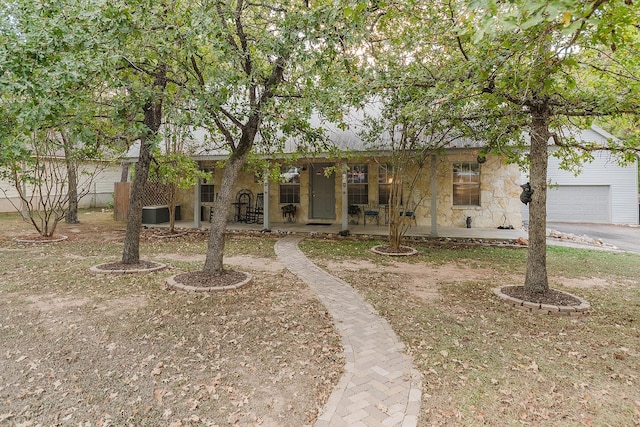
395	224
124	173
397	227
152	121
71	216
536	275
222	204
221	210
131	249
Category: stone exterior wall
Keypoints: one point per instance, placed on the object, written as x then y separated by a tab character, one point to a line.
499	193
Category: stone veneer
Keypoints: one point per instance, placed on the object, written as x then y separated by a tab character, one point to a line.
499	193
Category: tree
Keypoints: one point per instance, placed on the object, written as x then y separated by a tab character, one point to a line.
144	39
407	136
543	67
39	174
45	79
258	74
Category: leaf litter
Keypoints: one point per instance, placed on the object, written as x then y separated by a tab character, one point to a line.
79	349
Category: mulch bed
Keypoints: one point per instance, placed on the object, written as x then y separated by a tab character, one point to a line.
140	265
37	238
206	280
389	250
551	297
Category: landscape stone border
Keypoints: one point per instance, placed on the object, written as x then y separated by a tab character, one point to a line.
169	236
549	309
172	284
60	238
375	250
97	269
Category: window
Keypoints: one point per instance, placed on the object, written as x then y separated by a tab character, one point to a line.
466	184
207	193
385	179
290	185
358	184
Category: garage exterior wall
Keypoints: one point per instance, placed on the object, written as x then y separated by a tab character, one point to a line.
605	171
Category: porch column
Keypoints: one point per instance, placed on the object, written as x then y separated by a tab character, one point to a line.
196	204
434	196
266	221
345	198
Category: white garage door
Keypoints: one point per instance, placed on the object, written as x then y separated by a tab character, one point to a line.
583	203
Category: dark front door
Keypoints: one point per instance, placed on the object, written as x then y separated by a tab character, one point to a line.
322	197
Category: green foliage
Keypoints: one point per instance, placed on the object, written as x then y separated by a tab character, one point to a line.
177	169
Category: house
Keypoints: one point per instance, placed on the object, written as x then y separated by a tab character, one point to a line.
604	191
465	189
98	191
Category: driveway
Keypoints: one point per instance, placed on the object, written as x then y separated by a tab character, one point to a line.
624	237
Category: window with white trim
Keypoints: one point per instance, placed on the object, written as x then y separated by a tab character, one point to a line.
290	185
358	184
466	184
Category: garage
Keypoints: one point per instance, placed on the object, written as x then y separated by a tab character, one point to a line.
579	203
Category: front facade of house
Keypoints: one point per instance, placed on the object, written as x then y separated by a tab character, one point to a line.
322	190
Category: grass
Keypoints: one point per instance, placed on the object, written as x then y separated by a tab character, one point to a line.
486	364
82	349
122	350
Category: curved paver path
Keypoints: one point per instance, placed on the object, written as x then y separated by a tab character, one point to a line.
380	386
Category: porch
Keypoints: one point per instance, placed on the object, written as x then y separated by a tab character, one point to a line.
493	234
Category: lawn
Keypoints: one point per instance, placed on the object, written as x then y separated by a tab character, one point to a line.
487	364
80	349
116	350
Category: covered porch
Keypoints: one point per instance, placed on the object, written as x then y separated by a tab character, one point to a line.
490	234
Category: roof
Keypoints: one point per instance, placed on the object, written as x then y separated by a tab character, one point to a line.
346	137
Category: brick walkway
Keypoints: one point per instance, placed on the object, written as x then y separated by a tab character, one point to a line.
380	386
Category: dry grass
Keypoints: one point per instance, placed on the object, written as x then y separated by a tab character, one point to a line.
486	364
106	350
88	350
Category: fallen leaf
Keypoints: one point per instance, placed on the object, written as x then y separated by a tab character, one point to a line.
158	394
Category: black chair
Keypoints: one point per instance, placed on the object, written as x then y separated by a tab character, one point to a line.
354	214
289	212
372	212
411	217
243	204
256	213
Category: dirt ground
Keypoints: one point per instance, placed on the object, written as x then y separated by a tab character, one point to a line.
116	350
106	350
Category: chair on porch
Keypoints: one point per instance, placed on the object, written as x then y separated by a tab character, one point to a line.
242	204
255	213
372	211
410	215
289	212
